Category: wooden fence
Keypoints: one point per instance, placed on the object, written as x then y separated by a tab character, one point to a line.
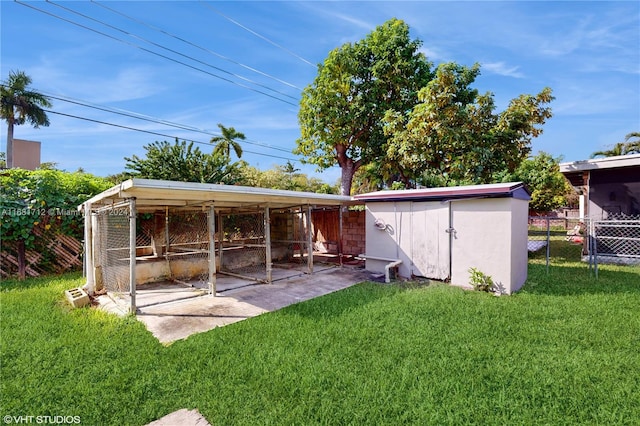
54	252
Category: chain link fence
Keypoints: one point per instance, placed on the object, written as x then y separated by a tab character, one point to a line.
243	245
290	238
617	239
114	249
554	240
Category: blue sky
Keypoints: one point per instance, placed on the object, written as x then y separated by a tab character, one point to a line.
244	64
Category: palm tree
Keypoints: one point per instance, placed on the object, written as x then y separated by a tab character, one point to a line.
20	105
622	148
227	140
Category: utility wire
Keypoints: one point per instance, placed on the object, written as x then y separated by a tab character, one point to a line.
196	46
258	35
149	119
157	121
156	133
171	50
152	52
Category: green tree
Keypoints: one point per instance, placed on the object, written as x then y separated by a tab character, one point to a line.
285	177
182	162
341	111
622	148
227	140
541	174
46	198
453	134
19	105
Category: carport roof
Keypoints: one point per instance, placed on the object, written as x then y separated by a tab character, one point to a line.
495	190
152	194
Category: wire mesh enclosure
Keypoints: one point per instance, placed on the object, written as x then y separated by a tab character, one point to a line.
290	237
243	245
114	248
164	237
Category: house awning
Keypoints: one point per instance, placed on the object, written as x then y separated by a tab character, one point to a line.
577	172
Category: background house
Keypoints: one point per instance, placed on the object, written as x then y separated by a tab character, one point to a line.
609	187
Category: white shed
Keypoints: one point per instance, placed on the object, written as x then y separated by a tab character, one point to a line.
440	233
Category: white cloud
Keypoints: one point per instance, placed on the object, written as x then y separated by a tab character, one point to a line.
501	68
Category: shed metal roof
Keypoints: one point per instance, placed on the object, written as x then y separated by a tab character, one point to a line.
494	190
152	194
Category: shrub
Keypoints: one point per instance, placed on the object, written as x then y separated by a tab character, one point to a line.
481	281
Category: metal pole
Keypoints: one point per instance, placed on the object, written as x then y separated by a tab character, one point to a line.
88	250
166	231
595	249
132	254
220	238
267	238
212	251
340	234
309	241
548	242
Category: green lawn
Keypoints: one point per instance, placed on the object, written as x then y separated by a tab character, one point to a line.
564	350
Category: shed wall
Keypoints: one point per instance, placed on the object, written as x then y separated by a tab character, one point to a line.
482	239
519	237
490	235
389	242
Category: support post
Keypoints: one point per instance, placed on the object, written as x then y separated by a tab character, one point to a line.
166	232
309	241
132	254
340	253
220	238
267	238
90	285
212	251
548	253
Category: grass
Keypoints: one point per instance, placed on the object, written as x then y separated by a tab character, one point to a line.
564	350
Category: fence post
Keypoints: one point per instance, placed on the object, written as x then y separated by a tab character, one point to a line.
88	250
267	238
132	253
548	242
595	249
309	241
212	251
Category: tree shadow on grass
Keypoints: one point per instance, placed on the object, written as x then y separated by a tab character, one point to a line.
575	279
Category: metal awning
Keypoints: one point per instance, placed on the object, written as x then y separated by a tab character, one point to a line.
153	194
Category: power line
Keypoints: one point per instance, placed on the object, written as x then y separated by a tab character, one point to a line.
171	50
152	52
155	120
156	133
197	46
147	118
258	35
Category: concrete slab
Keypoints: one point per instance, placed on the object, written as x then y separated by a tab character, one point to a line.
182	417
236	300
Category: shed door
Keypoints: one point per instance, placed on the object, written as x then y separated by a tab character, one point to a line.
430	240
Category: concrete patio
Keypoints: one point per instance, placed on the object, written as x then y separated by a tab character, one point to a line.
172	311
